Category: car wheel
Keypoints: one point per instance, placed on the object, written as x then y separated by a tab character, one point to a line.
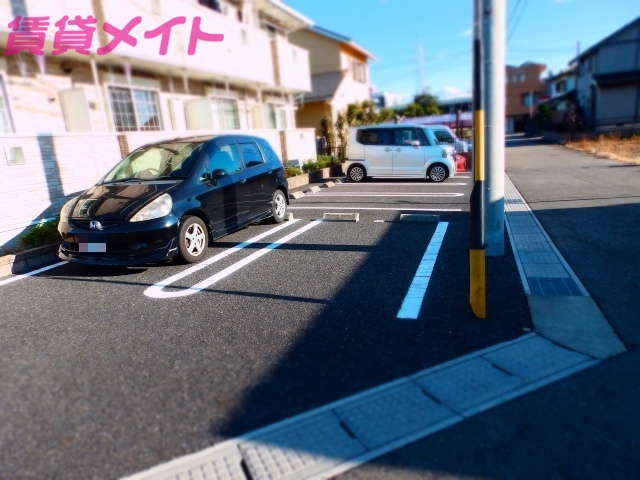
279	207
437	173
193	239
356	173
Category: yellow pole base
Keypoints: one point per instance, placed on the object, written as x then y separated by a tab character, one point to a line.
477	287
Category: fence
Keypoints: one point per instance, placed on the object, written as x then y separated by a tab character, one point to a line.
340	152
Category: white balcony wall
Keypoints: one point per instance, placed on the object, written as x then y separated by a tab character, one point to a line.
54	9
293	65
243	55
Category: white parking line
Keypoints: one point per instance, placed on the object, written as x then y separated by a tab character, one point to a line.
416	184
35	272
383	194
382	208
156	291
413	300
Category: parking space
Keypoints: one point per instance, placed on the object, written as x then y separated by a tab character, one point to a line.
134	366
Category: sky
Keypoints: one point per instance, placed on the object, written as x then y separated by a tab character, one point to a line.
395	31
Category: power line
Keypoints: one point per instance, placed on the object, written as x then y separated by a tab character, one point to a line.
420	69
517	20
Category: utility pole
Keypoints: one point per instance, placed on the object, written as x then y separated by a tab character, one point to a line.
493	36
477	280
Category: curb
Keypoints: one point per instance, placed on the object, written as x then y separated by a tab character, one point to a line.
31	259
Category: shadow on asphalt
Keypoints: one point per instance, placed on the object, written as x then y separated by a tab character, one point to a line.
357	342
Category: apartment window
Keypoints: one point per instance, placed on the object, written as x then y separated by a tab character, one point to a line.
528	99
134	109
270	29
276	116
227	111
514	79
271	116
359	71
212	4
561	86
6	124
522	77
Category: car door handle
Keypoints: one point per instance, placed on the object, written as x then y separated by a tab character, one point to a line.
243	180
398	149
388	149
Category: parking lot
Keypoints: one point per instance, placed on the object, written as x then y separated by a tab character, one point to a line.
106	372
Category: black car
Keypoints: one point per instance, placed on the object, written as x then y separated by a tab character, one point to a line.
173	198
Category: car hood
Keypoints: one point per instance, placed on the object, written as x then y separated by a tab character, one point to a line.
117	200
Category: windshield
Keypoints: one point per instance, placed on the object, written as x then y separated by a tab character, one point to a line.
165	161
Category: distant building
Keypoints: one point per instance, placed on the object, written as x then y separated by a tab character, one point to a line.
339	74
387	99
608	80
524	87
453	105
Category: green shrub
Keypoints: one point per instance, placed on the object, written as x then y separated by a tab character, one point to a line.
44	232
310	166
292	171
324	161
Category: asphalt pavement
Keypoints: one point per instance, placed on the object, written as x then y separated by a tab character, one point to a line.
101	380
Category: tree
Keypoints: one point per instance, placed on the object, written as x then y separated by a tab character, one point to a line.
342	133
385	114
428	102
325	129
413	110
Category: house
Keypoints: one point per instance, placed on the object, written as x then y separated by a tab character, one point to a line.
561	98
524	86
76	96
608	80
339	74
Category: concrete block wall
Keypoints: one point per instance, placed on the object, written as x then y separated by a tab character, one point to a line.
55	169
300	144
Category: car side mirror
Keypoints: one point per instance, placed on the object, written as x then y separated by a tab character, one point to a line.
218	173
415	143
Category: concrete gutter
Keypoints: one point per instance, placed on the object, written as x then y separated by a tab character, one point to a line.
27	260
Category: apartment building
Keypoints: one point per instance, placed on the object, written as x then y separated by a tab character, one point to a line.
82	83
524	86
339	74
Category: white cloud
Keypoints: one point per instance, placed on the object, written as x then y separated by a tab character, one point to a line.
469	31
452	92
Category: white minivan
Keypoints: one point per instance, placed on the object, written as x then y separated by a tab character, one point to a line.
403	151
